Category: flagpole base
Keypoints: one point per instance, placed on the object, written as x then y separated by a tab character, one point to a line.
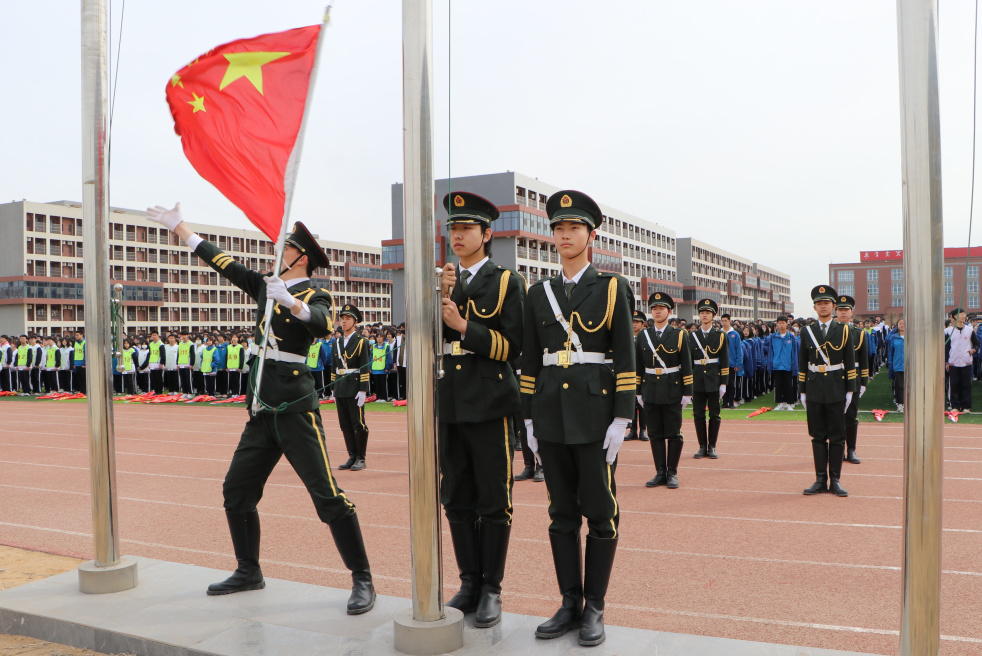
93	579
428	638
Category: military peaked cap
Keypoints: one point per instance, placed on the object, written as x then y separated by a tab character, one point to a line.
465	207
570	205
824	293
846	302
303	241
661	298
639	316
708	304
352	312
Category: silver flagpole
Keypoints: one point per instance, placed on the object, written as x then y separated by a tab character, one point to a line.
109	572
429	628
917	30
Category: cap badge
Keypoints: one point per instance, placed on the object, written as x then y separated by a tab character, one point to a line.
821	290
458	201
566	201
657	295
843	299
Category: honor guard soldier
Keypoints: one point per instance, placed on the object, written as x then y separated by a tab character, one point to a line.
350	377
843	313
664	387
710	371
478	396
638	430
577	407
289	421
826	382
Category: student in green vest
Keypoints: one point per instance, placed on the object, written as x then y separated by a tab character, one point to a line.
381	364
22	362
6	364
233	364
208	371
50	362
154	363
185	361
78	366
37	359
127	368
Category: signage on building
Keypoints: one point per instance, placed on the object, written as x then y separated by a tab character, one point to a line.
881	255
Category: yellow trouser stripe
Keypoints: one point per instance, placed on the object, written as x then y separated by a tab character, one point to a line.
508	479
327	462
613	524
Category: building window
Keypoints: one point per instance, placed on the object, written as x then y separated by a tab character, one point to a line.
973	286
872	289
897	289
898	301
949	299
872	275
949	285
896	274
972	271
848	289
872	303
973	301
846	276
949	273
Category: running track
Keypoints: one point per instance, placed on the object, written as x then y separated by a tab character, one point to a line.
736	552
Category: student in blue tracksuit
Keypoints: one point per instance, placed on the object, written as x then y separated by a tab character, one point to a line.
732	395
219	360
895	362
749	365
782	362
760	361
327	361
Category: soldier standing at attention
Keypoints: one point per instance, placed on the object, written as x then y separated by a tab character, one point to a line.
478	396
350	374
664	387
843	313
827	376
638	427
576	408
710	371
289	422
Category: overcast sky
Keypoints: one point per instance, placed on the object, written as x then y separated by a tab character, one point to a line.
767	128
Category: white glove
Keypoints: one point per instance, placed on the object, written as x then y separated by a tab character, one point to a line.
615	438
848	401
686	400
360	398
170	219
640	400
803	406
531	441
722	391
276	290
862	390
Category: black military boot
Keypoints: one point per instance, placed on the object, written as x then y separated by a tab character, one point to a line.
820	454
596	576
713	436
466	549
633	435
672	464
539	475
494	549
835	469
526	474
362	438
852	432
351	445
701	436
244	529
569	574
347	536
658	452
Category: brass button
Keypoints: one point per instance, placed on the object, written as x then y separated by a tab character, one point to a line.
296	373
458	367
499	376
589	323
483	310
605	391
461	307
565	385
288	320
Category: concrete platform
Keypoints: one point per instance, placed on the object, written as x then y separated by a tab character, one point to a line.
168	614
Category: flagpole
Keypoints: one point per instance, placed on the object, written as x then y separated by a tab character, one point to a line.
289	184
108	572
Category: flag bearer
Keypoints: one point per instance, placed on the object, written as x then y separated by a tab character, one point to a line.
289	421
577	407
843	313
350	376
478	395
78	366
664	364
710	372
826	382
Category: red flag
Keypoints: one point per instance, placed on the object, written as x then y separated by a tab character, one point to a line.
759	411
880	414
238	109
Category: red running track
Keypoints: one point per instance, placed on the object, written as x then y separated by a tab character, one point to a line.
735	552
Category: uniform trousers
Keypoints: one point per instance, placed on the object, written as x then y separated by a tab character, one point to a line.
664	420
300	437
235	383
184	374
143	381
402	383
731	388
197	382
6	379
852	412
827	421
172	380
351	418
960	387
78	378
527	456
784	387
210	381
24	380
51	381
580	484
476	471
898	387
36	380
701	401
318	382
157	381
221	384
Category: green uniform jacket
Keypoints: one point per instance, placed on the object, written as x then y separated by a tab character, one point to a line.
283	382
356	355
674	350
827	386
708	377
858	338
575	404
482	386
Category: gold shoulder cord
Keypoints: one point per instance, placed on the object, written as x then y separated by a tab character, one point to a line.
608	313
502	290
862	336
845	340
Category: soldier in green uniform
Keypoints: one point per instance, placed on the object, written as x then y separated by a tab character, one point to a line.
664	387
478	396
577	407
710	371
289	421
350	376
826	381
638	428
843	313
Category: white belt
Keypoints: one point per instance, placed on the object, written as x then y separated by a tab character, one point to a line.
660	370
822	368
279	356
705	361
454	348
572	357
345	372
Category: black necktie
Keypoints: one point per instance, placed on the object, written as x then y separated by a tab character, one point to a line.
824	327
569	288
465	276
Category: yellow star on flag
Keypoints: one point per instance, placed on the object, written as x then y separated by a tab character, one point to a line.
248	65
198	103
176	81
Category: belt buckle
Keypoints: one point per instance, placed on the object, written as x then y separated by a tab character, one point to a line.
562	358
821	368
658	371
703	362
455	348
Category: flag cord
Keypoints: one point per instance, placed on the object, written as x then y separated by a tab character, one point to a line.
112	99
971	205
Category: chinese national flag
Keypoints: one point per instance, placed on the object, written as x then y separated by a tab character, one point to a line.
238	109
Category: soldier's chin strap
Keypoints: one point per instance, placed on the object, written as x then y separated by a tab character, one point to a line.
291	265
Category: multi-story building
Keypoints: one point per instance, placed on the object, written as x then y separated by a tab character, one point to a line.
876	281
165	286
642	251
742	288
